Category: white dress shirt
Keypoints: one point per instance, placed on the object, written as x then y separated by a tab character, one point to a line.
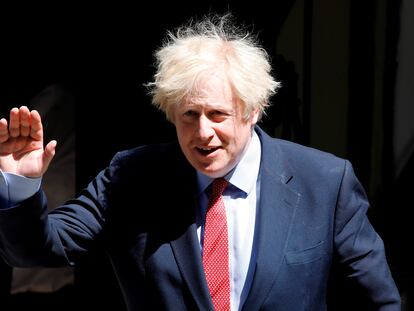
240	199
16	188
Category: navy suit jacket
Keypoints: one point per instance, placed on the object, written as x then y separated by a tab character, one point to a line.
141	209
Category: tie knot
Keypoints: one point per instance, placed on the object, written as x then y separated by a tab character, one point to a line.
218	187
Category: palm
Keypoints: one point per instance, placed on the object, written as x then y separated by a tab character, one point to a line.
21	157
21	144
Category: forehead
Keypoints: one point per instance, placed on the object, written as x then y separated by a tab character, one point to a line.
211	89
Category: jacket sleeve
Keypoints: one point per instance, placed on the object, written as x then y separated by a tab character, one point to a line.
359	248
30	236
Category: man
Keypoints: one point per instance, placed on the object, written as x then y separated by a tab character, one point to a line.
226	219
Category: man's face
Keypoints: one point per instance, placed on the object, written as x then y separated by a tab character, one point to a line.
211	129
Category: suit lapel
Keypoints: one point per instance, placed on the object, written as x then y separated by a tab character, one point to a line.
274	217
187	254
185	246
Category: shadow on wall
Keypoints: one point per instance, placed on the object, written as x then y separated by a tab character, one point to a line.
399	215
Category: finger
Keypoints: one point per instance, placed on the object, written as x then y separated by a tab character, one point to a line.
49	153
14	125
36	128
24	121
4	131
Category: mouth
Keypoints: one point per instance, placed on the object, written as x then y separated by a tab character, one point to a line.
206	151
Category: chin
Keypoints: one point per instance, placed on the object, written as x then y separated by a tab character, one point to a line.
214	172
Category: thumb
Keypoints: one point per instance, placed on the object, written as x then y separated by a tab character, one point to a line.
49	153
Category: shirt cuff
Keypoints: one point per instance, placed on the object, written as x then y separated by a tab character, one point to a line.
16	188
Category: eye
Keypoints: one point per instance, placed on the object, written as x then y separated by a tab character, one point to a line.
217	114
190	113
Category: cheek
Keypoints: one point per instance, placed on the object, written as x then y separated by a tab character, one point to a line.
229	137
240	138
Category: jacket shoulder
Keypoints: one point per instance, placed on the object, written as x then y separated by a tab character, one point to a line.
145	154
297	156
298	152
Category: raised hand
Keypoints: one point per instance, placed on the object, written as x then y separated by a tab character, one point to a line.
21	144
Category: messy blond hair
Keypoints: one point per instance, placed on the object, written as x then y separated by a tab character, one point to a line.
212	46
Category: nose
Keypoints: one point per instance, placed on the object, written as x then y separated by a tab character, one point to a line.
205	129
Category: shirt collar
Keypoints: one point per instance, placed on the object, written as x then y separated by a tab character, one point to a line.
245	173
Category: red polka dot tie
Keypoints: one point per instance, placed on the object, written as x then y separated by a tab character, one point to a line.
216	248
